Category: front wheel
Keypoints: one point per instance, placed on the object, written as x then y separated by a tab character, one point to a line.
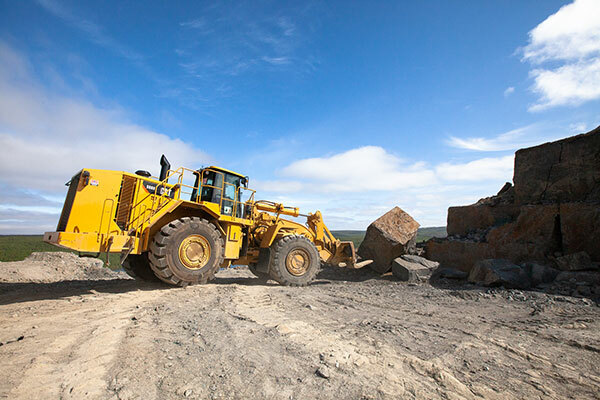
294	261
186	251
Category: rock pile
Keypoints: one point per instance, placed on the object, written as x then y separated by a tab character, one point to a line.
551	212
388	237
55	267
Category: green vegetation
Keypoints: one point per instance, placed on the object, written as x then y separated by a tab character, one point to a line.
425	234
18	247
352	236
422	235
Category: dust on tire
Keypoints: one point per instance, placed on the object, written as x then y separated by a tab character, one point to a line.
281	249
138	267
164	251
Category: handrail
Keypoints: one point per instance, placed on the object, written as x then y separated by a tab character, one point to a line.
161	199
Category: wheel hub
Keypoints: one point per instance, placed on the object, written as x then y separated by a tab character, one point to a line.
194	252
297	262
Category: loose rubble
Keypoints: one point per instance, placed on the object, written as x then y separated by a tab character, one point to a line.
55	267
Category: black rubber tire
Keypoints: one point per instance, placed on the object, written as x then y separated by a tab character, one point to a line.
164	252
260	275
138	266
279	252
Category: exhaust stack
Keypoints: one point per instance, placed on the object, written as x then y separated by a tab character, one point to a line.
165	165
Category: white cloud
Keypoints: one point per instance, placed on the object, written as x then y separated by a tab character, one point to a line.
571	84
573	32
45	138
282	186
570	37
526	136
509	90
479	170
578	127
355	187
364	168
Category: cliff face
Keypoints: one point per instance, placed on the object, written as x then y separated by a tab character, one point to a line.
553	209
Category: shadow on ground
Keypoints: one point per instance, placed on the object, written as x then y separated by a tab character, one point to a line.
20	292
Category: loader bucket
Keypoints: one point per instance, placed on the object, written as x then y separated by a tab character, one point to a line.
348	256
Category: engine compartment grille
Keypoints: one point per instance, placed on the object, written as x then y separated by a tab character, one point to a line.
126	196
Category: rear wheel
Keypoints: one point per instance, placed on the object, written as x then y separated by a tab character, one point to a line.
186	251
138	266
294	261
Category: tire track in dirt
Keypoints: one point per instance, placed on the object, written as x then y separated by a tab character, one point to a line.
384	369
72	356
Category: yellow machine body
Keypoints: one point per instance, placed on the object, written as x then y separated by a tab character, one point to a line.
119	212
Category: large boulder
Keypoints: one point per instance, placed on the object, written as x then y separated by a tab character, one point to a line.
591	278
388	237
499	272
540	274
408	271
580	261
413	268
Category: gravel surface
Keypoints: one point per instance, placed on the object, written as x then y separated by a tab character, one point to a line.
351	334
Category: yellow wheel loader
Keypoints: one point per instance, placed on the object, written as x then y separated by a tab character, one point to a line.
184	225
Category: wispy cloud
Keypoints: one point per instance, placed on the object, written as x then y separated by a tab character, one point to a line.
198	23
22	222
509	90
233	40
517	138
93	31
277	60
568	44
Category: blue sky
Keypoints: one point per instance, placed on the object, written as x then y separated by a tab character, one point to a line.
347	107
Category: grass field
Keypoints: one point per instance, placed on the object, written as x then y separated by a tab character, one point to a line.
18	247
422	235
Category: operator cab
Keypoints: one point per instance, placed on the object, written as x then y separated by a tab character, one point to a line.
221	186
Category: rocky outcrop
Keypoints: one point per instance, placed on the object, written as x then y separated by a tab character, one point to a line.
580	228
552	211
388	237
564	171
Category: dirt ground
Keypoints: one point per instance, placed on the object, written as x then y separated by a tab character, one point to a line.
350	335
